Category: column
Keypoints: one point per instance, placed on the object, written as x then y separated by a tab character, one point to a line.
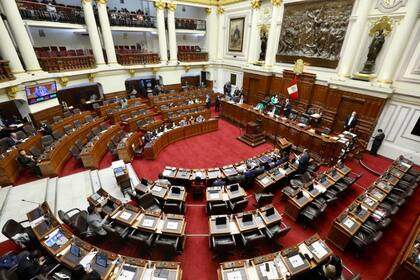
8	51
354	38
255	34
221	33
160	20
172	32
399	43
211	33
273	33
94	39
106	31
21	35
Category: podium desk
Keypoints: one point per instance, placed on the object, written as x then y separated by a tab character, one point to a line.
127	146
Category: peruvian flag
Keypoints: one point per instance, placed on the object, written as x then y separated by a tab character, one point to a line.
293	89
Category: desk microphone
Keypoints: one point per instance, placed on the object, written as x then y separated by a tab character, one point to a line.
29	201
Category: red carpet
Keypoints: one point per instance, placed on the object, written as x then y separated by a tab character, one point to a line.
221	148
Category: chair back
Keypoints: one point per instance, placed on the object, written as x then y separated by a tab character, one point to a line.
11	228
20	135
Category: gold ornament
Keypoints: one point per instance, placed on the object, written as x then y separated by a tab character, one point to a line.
276	2
63	81
187	68
102	2
171	7
204	67
263	30
91	77
132	72
154	70
220	10
159	5
11	92
255	4
298	67
208	11
86	1
383	24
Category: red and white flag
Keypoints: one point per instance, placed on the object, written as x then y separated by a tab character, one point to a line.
293	89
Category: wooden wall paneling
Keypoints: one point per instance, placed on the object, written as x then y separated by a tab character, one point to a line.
46	114
319	95
175	87
306	82
255	87
277	87
192	81
119	94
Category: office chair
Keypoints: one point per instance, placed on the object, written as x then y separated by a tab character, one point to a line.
113	150
310	213
168	244
174	207
222	245
12	227
124	119
217	208
148	202
8	275
77	124
250	239
89	118
79	144
96	131
143	238
68	129
197	189
363	238
35	151
57	134
75	152
57	119
77	222
116	229
29	129
20	135
67	114
47	141
275	231
239	205
263	198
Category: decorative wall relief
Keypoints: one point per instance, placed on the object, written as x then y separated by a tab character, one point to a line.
315	31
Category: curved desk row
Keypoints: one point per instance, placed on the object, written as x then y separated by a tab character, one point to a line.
52	162
132	122
166	113
181	94
181	98
203	111
71	251
94	151
70	120
133	218
104	108
128	145
325	147
116	115
152	149
9	167
290	263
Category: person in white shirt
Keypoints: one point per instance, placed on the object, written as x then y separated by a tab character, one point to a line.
351	122
200	119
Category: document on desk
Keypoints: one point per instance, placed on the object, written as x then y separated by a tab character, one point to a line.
125	215
265	180
234	275
87	259
304	250
296	261
166	172
214	195
172	225
147	223
320	188
319	249
271	274
126	275
348	222
157	188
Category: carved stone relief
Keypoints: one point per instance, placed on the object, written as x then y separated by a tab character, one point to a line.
314	31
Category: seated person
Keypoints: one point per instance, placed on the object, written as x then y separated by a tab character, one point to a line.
123	103
93	97
79	272
28	161
274	100
219	182
303	161
332	270
45	129
183	122
148	137
31	264
13	139
287	108
95	221
200	119
191	120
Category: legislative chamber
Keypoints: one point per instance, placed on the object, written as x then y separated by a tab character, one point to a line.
214	140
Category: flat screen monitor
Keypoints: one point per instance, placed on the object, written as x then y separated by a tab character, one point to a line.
221	221
41	92
247	218
269	212
234	188
176	190
75	250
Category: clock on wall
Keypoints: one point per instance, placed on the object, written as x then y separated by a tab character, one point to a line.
387	6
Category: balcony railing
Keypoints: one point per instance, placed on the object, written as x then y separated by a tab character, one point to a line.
131	19
48	12
137	58
191	24
192	56
52	60
5	73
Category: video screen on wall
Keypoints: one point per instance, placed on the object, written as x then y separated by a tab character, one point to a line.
41	92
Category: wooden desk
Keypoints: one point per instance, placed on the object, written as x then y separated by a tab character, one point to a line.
326	148
167	112
294	205
152	149
132	122
52	162
127	146
116	115
69	121
342	231
9	167
94	151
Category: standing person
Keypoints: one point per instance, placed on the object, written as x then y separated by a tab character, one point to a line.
377	142
156	90
287	108
217	104
227	89
208	101
351	122
303	161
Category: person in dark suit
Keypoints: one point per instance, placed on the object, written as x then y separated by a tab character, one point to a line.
31	264
351	122
287	108
28	161
45	129
156	90
227	89
303	162
377	142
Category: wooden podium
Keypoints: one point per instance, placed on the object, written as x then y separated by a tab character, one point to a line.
253	135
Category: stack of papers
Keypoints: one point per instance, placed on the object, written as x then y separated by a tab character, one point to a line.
234	275
125	216
172	225
296	261
319	250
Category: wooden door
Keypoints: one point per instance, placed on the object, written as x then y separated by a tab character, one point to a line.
346	107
